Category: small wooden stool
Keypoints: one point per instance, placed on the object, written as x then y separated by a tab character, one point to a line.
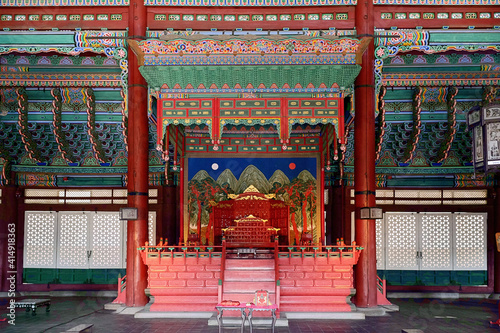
32	304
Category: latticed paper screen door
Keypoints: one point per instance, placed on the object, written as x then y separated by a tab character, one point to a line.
77	240
435	241
152	228
470	241
40	239
106	241
73	245
401	241
380	240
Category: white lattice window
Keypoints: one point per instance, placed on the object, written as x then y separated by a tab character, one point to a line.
435	242
82	196
73	240
152	228
106	241
40	231
432	241
429	197
470	241
401	241
380	240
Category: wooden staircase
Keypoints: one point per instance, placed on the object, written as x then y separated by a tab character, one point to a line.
242	277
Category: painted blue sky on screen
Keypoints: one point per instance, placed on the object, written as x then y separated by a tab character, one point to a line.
291	166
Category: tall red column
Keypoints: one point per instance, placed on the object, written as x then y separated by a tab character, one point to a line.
9	225
496	276
137	163
364	161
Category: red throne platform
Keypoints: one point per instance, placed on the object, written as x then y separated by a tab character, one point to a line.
301	279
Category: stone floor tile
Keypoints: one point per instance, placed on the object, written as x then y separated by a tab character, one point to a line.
429	315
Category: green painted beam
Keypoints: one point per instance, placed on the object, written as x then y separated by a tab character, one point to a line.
407	117
407	94
108	95
82	69
472	37
421	182
398	94
100	95
36	39
436	69
89	181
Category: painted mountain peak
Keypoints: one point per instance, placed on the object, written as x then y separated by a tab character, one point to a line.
227	177
280	178
251	176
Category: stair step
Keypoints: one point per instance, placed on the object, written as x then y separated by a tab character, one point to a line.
187	299
250	264
249	275
317	291
247	286
318	307
184	307
185	291
307	299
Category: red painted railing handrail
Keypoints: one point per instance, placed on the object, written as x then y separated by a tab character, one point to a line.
122	284
281	248
180	248
321	248
381	285
122	287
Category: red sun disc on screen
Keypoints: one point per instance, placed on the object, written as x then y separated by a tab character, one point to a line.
292	166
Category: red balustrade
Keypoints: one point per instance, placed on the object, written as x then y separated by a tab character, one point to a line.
307	278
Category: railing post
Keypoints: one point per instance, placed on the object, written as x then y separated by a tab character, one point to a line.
276	272
222	268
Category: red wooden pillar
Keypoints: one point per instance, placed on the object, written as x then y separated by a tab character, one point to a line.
496	277
137	230
364	161
9	225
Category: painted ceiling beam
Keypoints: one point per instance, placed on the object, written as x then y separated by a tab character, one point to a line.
414	138
449	136
196	63
26	136
59	80
381	123
256	78
62	144
468	79
91	130
66	118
